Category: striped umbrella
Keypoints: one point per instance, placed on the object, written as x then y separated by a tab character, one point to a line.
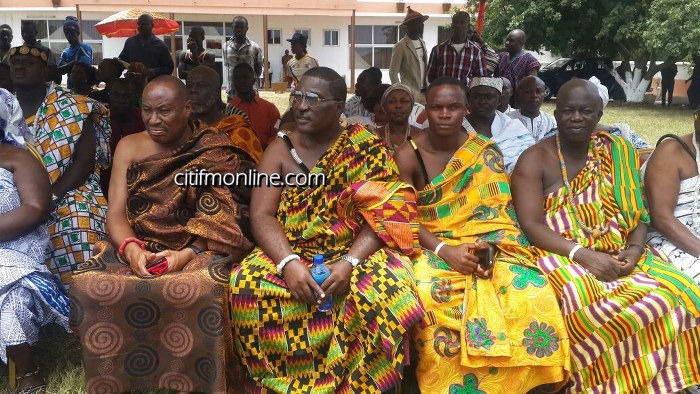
123	24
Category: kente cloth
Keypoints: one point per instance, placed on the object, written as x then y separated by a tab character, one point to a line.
641	332
687	263
30	297
503	334
511	137
78	219
169	331
358	346
242	136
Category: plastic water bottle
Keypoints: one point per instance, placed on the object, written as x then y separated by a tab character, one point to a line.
320	273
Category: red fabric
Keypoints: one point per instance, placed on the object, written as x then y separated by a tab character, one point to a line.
480	18
263	116
465	65
159	268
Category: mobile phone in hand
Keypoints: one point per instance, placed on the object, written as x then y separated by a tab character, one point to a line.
487	257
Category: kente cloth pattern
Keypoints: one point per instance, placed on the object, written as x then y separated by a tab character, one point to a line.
358	346
641	332
79	218
167	331
687	263
504	334
242	136
30	296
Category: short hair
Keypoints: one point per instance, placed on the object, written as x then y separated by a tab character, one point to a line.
374	97
123	82
5	26
209	72
374	74
336	83
176	83
461	13
118	66
89	70
240	67
197	29
528	78
240	17
442	81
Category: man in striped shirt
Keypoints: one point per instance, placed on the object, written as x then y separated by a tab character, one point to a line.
459	57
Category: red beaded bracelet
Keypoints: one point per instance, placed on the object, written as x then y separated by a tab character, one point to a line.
129	240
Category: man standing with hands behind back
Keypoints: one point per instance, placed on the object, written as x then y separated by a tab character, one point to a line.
240	49
409	58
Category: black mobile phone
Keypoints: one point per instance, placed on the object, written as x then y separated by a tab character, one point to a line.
486	257
154	263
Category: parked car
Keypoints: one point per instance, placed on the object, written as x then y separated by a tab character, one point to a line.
561	70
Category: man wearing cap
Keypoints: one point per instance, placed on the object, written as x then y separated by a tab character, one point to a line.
511	136
240	49
459	57
301	62
409	58
76	52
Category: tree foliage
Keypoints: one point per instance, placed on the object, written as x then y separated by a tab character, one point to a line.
627	29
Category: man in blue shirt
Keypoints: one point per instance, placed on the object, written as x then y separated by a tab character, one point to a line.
148	50
76	52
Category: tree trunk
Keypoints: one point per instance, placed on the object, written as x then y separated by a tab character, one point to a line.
636	82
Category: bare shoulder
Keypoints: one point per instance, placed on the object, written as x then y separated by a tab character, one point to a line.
670	147
536	158
12	157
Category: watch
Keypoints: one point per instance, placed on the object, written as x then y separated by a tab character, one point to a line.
195	249
354	261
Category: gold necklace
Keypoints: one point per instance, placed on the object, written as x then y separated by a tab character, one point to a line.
598	230
387	135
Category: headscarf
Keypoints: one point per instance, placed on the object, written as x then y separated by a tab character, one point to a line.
398	86
602	90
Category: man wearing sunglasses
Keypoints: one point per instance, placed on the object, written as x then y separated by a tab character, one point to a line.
288	345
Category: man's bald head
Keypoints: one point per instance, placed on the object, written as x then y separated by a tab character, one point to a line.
515	41
576	90
530	80
169	82
205	72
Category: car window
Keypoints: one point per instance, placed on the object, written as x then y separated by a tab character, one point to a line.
559	63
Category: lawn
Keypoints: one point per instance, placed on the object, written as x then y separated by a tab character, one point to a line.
649	121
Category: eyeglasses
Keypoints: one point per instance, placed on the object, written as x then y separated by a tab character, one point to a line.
312	99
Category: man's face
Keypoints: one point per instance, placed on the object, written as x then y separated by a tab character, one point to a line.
514	43
322	117
398	106
165	114
106	71
483	101
240	28
446	109
243	81
196	37
145	25
71	36
415	27
460	27
29	33
531	95
121	99
27	70
203	93
362	86
79	76
577	114
5	39
297	48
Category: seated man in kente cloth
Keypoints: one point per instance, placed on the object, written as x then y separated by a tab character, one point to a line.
204	86
633	319
360	220
147	323
496	330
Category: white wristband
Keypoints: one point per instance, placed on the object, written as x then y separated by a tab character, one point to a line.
573	251
438	247
285	261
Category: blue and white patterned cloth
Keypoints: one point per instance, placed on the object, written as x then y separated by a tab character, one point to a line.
12	126
30	296
511	137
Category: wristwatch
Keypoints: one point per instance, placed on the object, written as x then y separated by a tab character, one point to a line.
195	249
354	261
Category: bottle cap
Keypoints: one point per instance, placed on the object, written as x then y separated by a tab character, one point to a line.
318	259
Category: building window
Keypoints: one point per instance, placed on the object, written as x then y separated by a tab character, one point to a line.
373	45
306	33
330	38
51	35
274	36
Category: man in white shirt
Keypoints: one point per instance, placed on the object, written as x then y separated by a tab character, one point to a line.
301	62
409	58
530	96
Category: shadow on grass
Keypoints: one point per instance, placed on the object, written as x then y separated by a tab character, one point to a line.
58	355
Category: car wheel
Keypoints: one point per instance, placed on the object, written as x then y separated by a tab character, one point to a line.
547	93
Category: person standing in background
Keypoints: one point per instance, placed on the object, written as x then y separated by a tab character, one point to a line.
147	53
668	80
301	62
240	49
515	64
76	52
409	58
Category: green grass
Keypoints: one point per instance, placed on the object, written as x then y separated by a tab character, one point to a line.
649	121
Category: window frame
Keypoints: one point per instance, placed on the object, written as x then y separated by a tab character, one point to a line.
374	45
268	37
337	38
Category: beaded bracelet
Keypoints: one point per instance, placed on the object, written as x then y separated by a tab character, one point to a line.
129	240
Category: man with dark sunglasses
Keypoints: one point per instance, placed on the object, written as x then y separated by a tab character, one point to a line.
344	219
